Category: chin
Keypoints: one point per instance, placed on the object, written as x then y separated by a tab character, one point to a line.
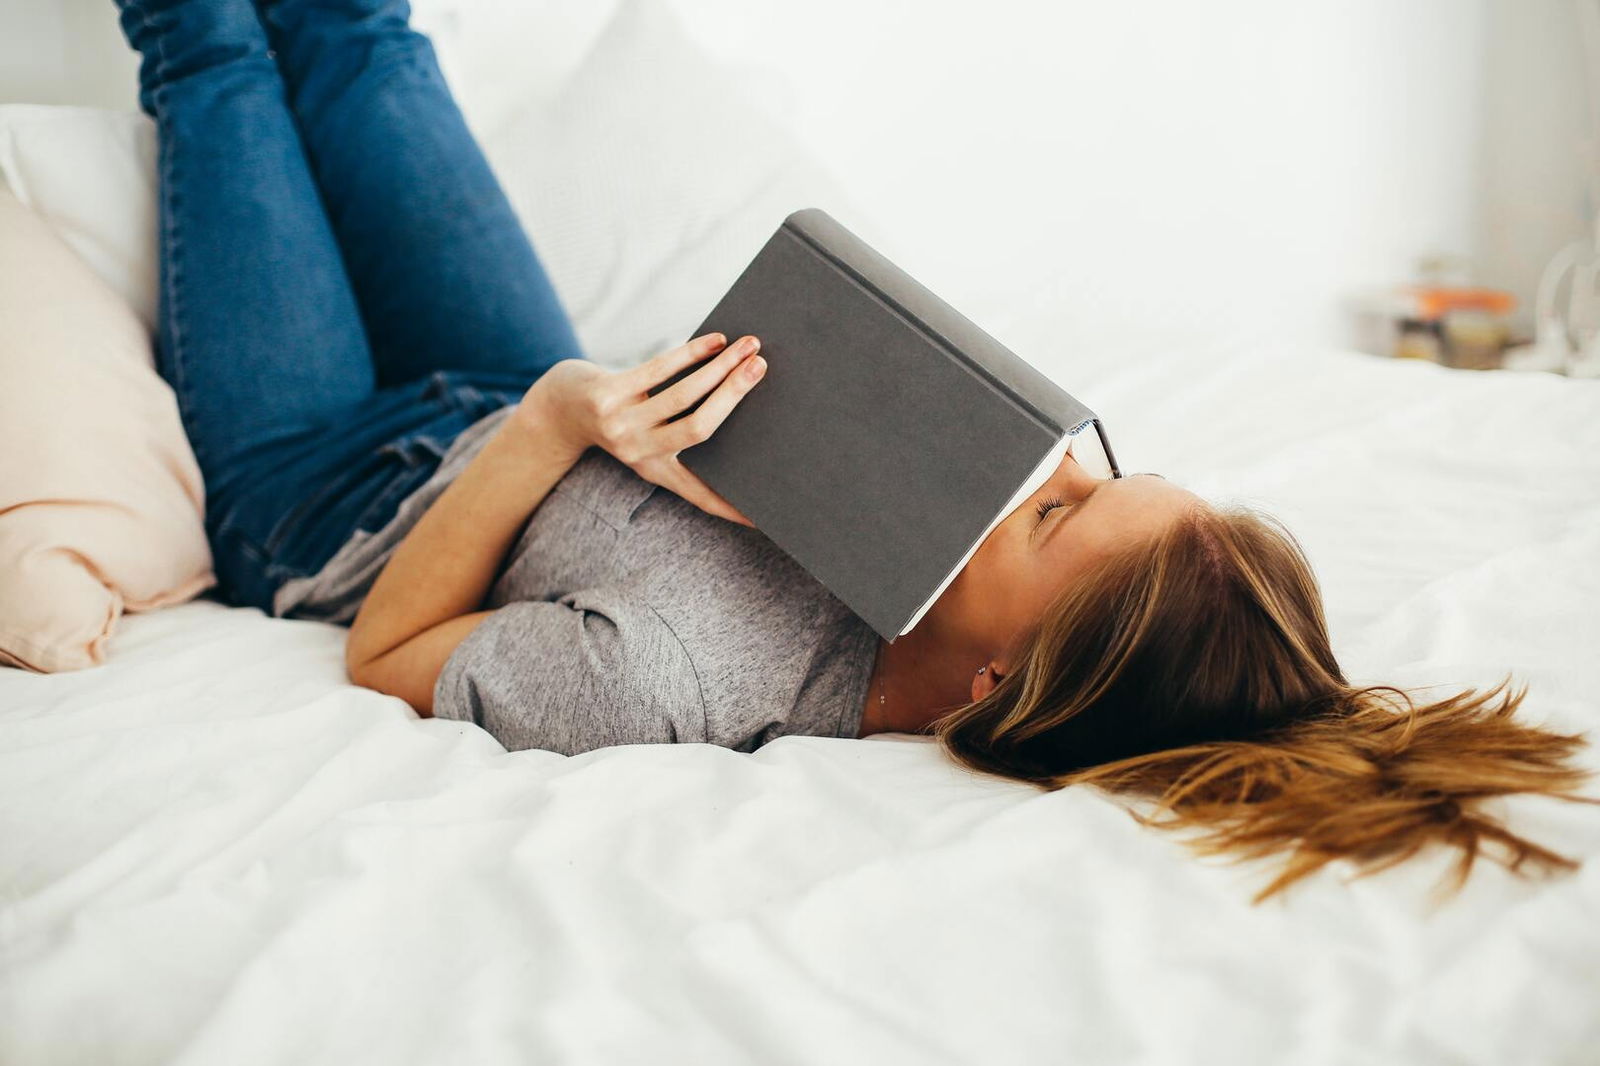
953	604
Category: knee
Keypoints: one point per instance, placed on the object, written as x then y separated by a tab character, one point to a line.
179	29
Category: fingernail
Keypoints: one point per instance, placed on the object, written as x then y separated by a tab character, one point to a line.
751	344
758	366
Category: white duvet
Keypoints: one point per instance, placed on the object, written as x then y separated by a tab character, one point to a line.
215	851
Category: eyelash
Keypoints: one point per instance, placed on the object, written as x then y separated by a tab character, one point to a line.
1046	505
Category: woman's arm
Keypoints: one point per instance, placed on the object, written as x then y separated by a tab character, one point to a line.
427	598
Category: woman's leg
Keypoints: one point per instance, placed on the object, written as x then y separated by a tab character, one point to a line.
259	334
445	276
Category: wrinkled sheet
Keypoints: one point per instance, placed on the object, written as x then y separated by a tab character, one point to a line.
214	850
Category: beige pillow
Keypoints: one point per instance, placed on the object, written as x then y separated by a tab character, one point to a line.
101	502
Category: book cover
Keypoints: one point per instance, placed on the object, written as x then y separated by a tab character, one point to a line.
889	435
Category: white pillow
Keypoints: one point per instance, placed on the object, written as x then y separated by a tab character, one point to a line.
91	174
650	182
502	57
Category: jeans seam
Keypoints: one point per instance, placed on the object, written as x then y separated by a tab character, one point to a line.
246	544
169	195
171	285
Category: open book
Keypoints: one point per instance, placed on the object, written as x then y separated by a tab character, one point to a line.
889	434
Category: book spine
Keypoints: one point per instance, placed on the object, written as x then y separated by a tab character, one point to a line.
1030	391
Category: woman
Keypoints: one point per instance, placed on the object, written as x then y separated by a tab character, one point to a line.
396	425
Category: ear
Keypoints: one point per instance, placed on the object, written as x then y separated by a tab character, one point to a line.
985	680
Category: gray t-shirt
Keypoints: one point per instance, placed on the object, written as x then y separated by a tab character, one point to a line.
626	615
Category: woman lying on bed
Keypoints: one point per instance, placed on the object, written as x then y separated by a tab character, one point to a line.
396	425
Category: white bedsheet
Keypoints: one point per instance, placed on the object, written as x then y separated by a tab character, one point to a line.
213	850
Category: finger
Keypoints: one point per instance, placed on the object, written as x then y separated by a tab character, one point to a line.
689	485
653	372
704	420
684	394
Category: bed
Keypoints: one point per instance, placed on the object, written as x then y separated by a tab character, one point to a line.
217	850
214	849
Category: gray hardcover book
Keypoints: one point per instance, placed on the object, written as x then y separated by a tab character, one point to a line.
889	435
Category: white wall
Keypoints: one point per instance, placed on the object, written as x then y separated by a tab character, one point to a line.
1536	115
1176	173
64	52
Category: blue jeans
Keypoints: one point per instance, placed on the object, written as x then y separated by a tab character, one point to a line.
344	287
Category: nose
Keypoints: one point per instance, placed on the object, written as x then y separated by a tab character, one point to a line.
1071	472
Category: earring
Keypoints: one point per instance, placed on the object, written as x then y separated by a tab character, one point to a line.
981	669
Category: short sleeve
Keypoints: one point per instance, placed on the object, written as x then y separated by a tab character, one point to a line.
590	670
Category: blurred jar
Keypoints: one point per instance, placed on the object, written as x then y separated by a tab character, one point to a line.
1473	340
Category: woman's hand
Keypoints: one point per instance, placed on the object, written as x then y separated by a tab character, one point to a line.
588	405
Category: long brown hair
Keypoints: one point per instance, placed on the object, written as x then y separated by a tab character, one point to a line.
1197	669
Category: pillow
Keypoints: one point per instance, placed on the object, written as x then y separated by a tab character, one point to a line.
501	58
90	174
101	501
650	181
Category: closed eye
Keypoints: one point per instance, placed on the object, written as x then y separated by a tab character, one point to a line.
1050	503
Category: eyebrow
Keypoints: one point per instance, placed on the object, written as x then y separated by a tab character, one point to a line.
1064	519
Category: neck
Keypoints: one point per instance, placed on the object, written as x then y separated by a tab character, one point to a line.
921	676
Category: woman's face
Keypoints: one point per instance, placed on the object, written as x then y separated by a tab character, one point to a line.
1025	561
